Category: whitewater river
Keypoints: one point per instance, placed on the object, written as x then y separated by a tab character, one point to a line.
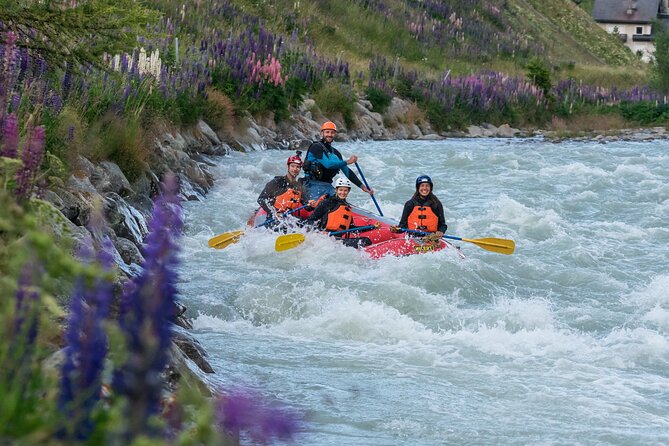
562	343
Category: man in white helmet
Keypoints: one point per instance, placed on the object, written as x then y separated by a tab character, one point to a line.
334	214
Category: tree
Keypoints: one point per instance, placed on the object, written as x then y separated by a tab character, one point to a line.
659	73
75	31
539	74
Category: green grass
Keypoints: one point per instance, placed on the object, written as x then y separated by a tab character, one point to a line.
348	31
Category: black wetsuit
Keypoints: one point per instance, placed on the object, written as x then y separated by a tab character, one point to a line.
319	218
432	201
275	187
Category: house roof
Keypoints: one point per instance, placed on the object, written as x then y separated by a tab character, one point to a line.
615	11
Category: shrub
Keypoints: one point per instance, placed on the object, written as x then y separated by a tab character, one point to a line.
123	142
336	98
644	112
220	109
539	74
380	99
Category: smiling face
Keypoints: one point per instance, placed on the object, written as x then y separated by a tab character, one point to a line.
328	135
424	189
342	192
294	169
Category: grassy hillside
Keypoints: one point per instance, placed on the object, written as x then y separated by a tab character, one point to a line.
461	36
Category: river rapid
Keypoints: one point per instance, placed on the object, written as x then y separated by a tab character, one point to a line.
562	343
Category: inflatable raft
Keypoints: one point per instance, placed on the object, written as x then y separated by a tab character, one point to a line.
384	241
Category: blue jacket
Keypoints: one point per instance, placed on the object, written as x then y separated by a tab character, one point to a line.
323	162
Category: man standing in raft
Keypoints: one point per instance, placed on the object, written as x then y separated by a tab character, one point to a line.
323	162
284	193
423	212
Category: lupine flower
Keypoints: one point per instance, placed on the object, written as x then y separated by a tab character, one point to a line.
85	351
31	156
24	327
11	136
146	310
245	412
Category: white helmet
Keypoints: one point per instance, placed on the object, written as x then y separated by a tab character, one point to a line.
342	182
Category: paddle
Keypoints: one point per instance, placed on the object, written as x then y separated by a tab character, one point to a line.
367	186
290	241
226	239
359	228
500	245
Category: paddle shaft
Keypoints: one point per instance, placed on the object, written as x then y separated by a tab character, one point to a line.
270	220
228	238
361	228
502	246
367	186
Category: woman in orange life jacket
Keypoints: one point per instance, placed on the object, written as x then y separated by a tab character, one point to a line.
423	212
285	193
334	214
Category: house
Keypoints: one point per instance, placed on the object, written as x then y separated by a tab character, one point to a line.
632	21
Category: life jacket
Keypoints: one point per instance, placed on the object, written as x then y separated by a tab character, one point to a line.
290	199
423	218
340	219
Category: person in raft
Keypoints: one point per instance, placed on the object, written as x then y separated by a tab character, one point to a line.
334	214
323	162
423	212
285	193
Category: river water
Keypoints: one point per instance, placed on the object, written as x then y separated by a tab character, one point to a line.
562	343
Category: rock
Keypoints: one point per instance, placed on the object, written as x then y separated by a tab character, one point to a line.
108	177
79	199
396	111
489	130
506	131
208	133
414	131
128	251
475	131
189	191
431	137
365	103
192	349
83	167
126	221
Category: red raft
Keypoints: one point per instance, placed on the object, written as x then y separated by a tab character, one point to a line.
384	242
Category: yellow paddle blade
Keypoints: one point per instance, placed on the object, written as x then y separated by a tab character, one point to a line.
500	245
223	240
288	241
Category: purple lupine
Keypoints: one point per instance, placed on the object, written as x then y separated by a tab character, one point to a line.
31	156
25	319
85	350
145	315
24	326
10	137
243	411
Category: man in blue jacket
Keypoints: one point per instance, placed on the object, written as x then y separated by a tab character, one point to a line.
323	162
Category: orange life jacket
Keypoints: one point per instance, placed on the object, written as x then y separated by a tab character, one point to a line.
288	200
340	219
423	218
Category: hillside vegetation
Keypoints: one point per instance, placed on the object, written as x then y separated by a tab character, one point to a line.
434	36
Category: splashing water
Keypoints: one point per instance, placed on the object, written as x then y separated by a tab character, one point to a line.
564	342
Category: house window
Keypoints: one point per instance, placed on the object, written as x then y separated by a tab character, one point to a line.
639	29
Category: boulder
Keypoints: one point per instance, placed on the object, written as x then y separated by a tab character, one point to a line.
128	251
506	131
208	133
108	177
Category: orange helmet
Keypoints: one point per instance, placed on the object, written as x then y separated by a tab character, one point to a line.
329	126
